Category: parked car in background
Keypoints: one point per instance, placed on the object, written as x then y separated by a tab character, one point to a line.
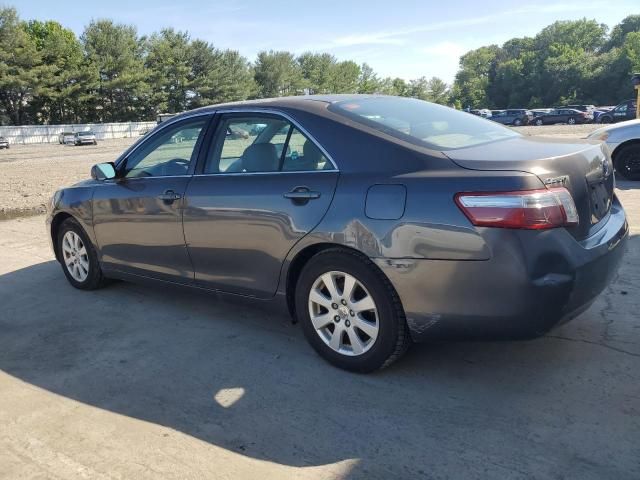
162	117
622	112
372	236
482	112
623	141
540	111
66	137
588	109
516	117
4	143
85	138
599	111
562	115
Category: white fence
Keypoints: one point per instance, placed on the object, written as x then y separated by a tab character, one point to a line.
49	133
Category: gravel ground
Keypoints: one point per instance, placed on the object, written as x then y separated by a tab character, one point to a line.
29	174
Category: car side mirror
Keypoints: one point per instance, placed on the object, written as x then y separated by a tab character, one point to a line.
103	171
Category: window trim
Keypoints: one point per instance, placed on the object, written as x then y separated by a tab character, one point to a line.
199	172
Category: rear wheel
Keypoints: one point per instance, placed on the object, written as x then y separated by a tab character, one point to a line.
606	119
571	121
538	122
78	257
517	122
627	162
349	311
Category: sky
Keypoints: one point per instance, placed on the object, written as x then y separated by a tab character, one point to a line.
398	38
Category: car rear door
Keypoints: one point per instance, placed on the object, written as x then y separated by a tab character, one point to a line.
138	216
257	192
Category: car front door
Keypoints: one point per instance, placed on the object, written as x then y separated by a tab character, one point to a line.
263	185
138	216
620	113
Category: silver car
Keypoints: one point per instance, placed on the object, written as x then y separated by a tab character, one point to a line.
623	140
85	138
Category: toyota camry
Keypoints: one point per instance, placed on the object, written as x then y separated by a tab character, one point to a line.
376	221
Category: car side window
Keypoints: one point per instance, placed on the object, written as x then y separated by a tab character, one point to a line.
168	153
262	144
303	155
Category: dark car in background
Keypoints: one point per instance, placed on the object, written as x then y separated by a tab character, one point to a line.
622	112
4	143
516	117
375	220
562	115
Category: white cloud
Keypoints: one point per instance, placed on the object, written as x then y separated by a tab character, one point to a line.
445	49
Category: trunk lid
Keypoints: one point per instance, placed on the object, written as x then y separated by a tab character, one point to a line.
583	167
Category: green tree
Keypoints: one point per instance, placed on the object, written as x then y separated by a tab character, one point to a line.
472	80
344	77
219	76
20	67
277	74
114	52
368	81
169	62
64	77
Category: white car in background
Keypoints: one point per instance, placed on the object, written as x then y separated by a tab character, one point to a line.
84	138
65	137
623	140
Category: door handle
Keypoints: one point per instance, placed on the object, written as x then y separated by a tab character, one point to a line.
301	194
169	196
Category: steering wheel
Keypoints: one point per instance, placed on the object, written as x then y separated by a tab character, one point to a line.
175	166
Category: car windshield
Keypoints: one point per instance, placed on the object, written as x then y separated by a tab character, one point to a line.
422	123
82	134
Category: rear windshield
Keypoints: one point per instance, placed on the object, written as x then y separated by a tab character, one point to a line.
83	134
422	123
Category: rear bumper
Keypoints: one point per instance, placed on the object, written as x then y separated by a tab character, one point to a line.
533	281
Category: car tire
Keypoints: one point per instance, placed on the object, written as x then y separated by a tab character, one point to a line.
627	162
517	122
538	122
606	119
95	142
384	336
78	257
571	121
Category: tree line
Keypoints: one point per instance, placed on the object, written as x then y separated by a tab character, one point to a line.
48	75
568	62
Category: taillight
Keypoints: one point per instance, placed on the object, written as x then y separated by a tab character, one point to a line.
529	209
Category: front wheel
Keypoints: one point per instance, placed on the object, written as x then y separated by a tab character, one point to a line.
538	122
517	122
77	256
627	162
571	121
350	312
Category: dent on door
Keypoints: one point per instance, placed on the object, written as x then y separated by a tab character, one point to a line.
239	228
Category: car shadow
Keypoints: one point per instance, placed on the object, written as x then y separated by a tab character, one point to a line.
244	379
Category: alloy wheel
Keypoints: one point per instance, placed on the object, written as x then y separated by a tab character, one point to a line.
76	259
343	313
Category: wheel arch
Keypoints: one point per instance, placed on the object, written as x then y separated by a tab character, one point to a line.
297	263
55	225
619	148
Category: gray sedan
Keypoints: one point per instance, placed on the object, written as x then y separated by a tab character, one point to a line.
623	140
376	221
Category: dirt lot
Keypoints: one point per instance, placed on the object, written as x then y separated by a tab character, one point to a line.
29	174
148	383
